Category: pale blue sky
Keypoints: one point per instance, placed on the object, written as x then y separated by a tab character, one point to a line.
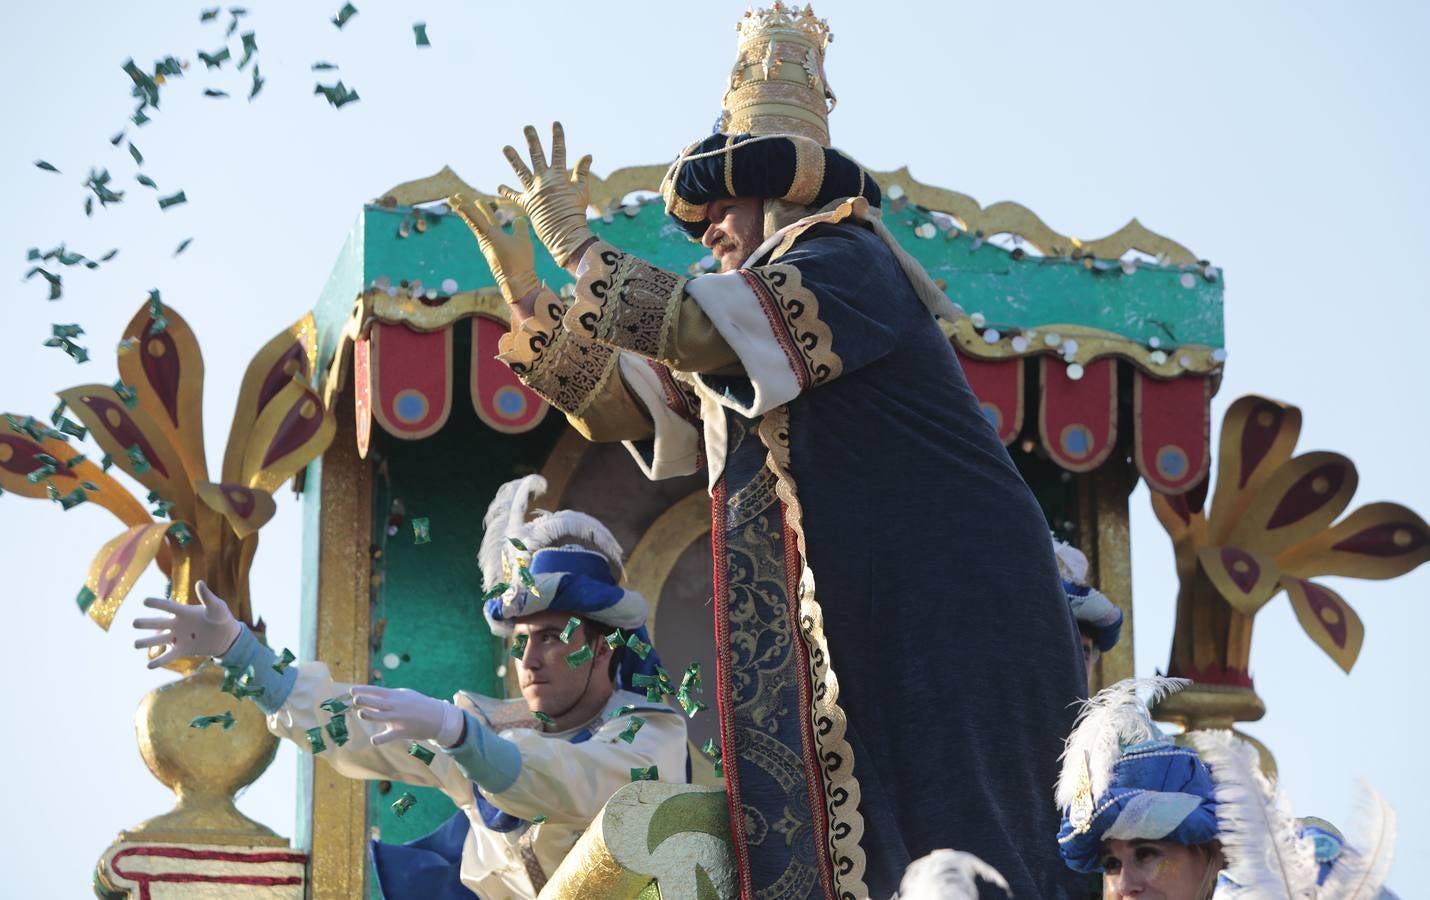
1286	142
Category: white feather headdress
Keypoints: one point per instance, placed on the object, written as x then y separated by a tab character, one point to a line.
506	520
948	875
1265	857
1360	870
1113	719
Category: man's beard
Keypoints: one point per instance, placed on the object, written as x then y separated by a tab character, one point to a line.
729	253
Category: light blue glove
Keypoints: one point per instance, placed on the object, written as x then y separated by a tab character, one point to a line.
486	757
247	651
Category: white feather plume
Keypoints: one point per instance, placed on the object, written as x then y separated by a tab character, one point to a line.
1112	719
1072	563
1360	871
567	526
504	520
948	875
1266	859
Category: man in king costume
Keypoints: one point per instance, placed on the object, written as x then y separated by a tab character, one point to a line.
866	520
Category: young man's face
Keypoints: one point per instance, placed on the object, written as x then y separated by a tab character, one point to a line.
736	229
548	682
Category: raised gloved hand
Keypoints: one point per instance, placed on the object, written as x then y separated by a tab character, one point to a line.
553	198
205	629
511	257
408	715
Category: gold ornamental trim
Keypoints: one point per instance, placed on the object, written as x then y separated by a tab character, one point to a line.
1092	343
1004	217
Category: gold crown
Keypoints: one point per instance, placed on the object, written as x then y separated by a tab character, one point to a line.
777	85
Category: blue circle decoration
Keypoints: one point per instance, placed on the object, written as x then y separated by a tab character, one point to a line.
510	402
410	406
1076	441
1171	462
993	414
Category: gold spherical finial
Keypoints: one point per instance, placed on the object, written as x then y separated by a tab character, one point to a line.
777	85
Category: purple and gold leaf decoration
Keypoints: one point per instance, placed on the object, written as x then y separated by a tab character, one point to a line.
167	369
245	509
134	442
1245	579
292	431
1378	540
1327	619
118	566
290	355
1257	436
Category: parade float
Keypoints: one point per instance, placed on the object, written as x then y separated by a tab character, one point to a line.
1094	360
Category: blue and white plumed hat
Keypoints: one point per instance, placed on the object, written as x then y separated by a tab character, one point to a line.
564	561
1095	614
1122	779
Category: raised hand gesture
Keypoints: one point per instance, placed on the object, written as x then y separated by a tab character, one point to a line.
203	629
511	257
552	197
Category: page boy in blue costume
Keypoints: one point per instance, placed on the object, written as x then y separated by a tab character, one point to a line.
525	789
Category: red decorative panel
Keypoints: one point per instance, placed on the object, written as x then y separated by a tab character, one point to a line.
362	393
498	396
1172	419
998	385
411	379
1077	419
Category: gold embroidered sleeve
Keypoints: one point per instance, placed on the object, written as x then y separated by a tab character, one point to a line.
625	302
574	374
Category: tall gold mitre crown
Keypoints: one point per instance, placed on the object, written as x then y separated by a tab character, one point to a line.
777	85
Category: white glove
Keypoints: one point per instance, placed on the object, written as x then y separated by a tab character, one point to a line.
208	629
408	715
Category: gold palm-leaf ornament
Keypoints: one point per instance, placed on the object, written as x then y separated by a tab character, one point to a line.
1272	527
151	426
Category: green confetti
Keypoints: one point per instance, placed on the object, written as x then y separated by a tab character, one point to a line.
76	352
689	703
571	625
542	717
173	200
629	735
181	534
85	599
137	460
422	753
538	820
145	88
516	542
139	118
40	475
315	740
518	648
214	92
322	67
334	705
419	31
215	60
70	426
402	804
712	750
59	412
209	15
337	729
580	657
41	164
226	720
231	674
183	245
56	281
614	639
284	661
250	47
347	12
114	141
105	462
620	711
338	95
72	499
691	680
134	152
527	578
88	210
98	183
110	255
637	646
421	531
258	82
497	590
127	393
146	180
64	331
646	773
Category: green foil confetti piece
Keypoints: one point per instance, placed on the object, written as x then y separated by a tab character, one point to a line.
257	85
338	95
419	32
56	281
542	717
334	705
110	255
163	509
315	740
538	820
527	578
421	753
128	394
629	735
402	804
72	499
646	773
518	647
691	679
421	531
614	639
183	245
285	660
214	92
114	141
231	674
571	625
637	646
64	331
347	12
208	15
139	118
620	711
580	657
134	152
180	533
516	542
712	750
337	729
250	47
215	60
41	164
497	590
146	181
172	200
105	462
226	720
85	598
322	67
